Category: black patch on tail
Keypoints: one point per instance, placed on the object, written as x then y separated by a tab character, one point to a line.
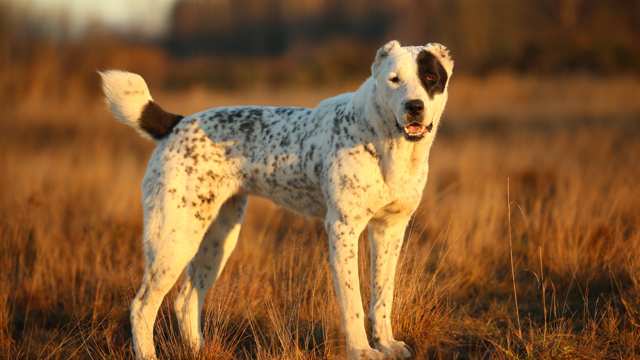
157	122
431	73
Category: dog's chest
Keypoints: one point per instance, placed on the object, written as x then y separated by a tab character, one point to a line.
405	169
404	192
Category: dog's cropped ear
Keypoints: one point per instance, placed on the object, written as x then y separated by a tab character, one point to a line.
443	54
382	53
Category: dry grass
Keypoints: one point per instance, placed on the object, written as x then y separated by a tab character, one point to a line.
70	249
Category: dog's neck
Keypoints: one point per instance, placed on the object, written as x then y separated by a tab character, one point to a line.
401	160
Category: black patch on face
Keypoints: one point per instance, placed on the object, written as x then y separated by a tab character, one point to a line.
156	122
431	73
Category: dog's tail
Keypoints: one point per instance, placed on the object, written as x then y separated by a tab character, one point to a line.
131	103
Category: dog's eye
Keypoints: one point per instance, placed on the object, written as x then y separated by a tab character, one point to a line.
394	79
431	77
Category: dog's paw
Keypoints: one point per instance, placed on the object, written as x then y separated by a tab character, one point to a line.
395	349
365	354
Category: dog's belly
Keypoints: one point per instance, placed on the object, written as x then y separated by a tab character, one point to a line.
301	203
294	193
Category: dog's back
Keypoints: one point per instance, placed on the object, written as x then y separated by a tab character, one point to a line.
275	152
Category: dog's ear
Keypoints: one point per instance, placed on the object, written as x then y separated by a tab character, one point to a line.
382	53
442	53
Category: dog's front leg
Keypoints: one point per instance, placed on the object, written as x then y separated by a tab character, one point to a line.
385	237
343	250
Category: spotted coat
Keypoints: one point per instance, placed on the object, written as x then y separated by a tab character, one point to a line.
358	160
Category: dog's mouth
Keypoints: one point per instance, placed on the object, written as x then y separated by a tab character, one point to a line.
415	131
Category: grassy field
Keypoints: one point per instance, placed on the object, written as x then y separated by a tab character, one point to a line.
551	166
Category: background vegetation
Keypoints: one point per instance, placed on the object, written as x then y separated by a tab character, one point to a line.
276	43
537	158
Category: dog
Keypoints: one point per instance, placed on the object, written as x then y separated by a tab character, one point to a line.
358	160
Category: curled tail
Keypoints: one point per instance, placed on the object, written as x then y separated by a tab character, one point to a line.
131	103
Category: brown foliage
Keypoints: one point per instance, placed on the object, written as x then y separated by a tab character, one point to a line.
71	255
253	43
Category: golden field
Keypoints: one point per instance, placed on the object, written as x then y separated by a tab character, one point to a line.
550	164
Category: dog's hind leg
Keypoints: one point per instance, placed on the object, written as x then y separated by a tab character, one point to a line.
206	266
175	223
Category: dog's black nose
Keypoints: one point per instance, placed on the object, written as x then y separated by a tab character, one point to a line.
414	107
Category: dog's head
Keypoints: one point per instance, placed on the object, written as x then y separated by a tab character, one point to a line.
411	86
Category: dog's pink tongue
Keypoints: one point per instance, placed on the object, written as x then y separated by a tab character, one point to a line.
414	128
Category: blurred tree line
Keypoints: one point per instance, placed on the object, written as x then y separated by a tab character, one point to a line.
485	35
239	43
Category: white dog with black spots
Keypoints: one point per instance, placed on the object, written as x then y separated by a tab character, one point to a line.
358	160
